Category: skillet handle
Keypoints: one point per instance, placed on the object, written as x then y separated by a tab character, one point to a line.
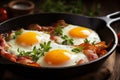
110	18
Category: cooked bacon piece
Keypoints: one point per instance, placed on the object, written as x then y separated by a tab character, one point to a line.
27	61
81	61
94	51
3	43
101	48
35	27
23	60
4	46
101	45
7	55
6	36
10	57
49	29
55	38
91	55
52	37
89	46
40	28
102	52
60	23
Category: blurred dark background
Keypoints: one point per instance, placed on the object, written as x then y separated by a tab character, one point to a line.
83	7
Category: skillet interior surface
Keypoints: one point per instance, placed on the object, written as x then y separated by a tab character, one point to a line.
105	33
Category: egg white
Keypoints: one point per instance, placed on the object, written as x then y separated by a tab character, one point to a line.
74	57
42	37
92	37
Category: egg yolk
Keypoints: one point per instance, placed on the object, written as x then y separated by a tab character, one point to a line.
79	32
57	57
27	39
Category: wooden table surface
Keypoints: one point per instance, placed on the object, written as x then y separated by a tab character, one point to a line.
116	72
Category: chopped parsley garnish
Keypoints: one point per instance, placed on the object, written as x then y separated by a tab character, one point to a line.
86	41
18	32
78	49
36	52
93	42
23	53
58	31
67	40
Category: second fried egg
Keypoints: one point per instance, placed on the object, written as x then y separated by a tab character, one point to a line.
79	34
60	56
27	40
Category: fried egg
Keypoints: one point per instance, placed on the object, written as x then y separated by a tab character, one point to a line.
79	34
27	40
60	56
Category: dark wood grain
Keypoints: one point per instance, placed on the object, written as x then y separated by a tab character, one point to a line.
116	72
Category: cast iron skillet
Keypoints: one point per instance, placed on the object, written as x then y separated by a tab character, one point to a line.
100	24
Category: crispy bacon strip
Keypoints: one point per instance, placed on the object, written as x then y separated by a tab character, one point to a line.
3	43
60	23
94	51
35	27
4	46
81	61
91	55
27	61
101	48
40	28
7	55
49	29
23	60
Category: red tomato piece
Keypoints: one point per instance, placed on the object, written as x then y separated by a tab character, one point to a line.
3	14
